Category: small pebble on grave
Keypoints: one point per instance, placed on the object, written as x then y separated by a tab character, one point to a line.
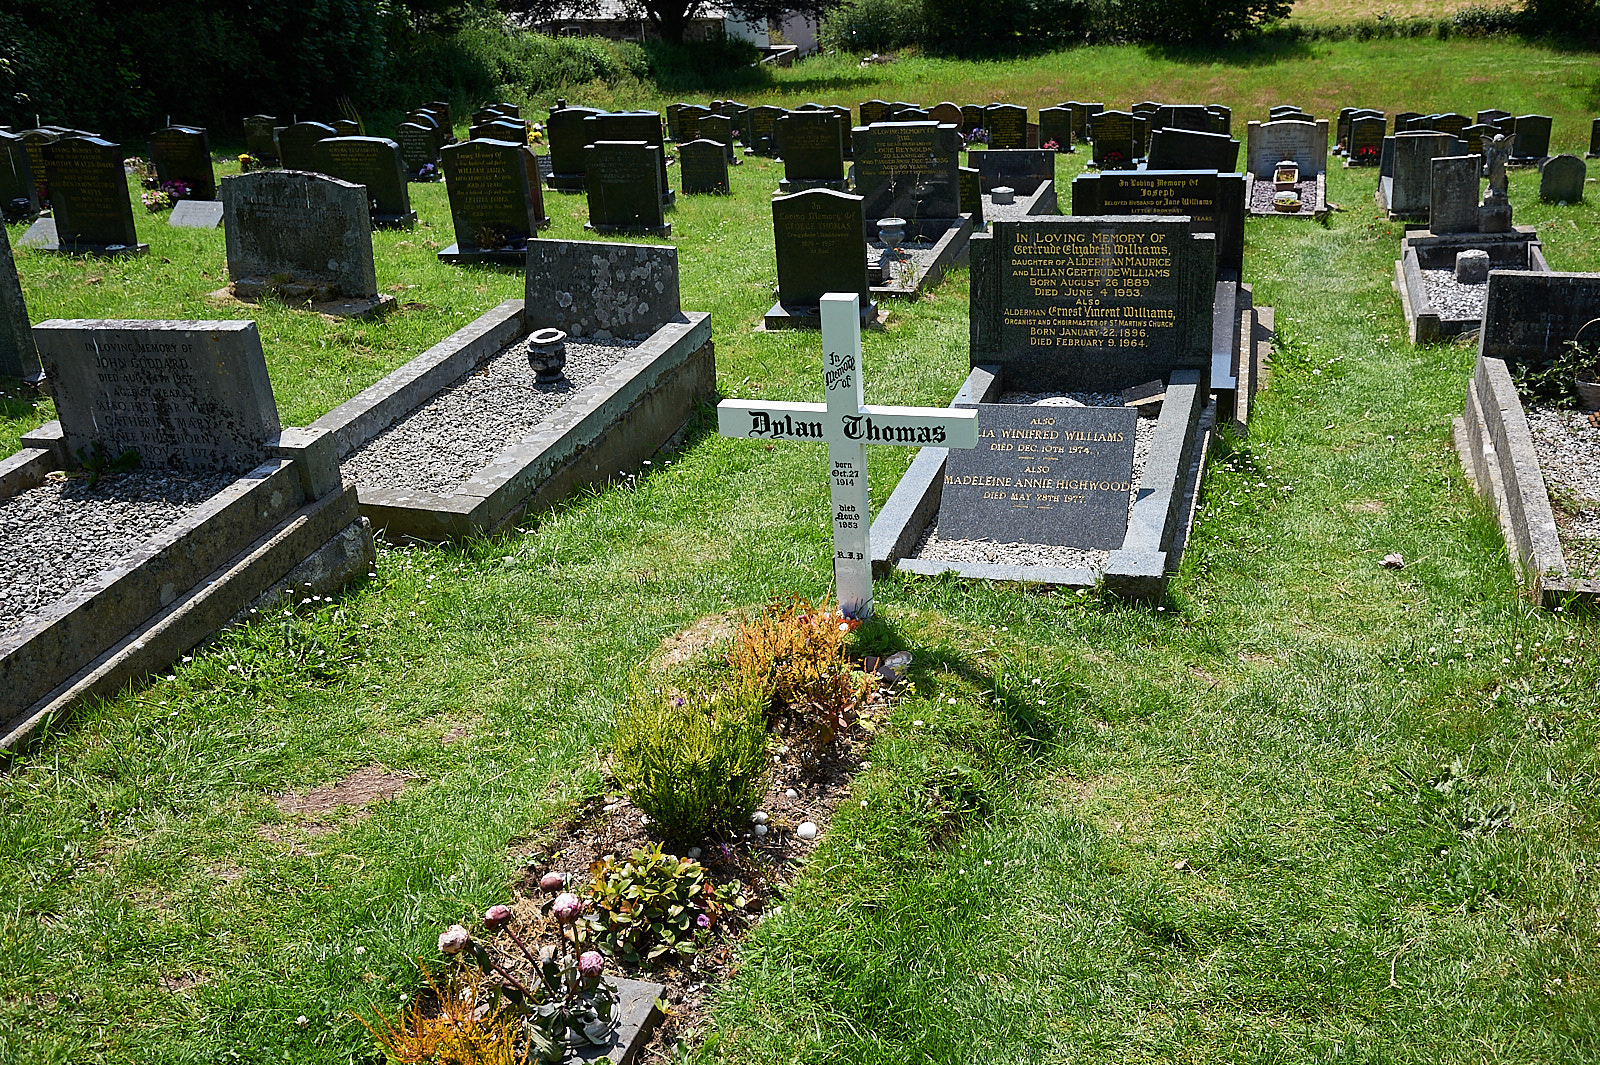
807	830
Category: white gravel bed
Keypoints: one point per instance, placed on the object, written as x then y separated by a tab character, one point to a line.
447	440
1006	212
916	257
1264	189
1568	446
64	533
1453	300
932	547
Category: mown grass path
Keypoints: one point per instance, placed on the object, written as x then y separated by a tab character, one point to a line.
1313	810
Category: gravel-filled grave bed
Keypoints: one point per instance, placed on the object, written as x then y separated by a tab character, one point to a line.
1262	192
458	432
934	548
1454	300
65	532
1568	445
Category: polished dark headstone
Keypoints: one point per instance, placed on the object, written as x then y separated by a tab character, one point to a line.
376	163
182	155
495	200
296	144
89	195
821	244
623	180
704	168
910	171
1215	203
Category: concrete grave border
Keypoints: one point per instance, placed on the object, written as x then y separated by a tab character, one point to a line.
287	525
607	427
1424	322
1496	449
949	250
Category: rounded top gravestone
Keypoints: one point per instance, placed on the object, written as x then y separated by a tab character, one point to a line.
1561	179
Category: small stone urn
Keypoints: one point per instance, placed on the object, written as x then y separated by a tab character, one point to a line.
547	354
891	231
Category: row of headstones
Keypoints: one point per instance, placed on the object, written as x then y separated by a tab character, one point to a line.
1408	162
1360	132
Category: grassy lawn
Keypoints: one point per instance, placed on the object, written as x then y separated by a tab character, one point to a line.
1312	810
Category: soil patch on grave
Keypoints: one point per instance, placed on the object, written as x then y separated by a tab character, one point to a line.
65	532
356	791
765	865
457	433
1568	445
681	648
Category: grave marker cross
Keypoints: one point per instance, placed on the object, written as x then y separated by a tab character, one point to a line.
847	424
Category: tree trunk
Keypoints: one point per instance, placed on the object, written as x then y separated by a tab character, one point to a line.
671	18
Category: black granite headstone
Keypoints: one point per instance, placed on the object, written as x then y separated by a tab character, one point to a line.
259	141
18	356
762	123
1042	475
89	195
1365	143
820	239
632	126
719	128
689	116
874	111
910	171
33	142
1113	136
623	179
1184	149
1023	170
19	197
1532	139
1092	304
1530	315
812	146
1007	125
1215	203
704	168
972	195
374	162
569	132
1221	118
500	129
419	147
1055	127
1081	113
182	155
1594	138
1183	116
971	118
495	200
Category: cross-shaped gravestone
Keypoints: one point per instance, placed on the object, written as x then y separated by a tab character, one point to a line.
846	424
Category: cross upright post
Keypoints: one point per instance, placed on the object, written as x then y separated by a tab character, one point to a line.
847	424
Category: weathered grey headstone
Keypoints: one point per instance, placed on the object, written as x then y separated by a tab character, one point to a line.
1532	314
1453	193
302	235
1113	136
821	243
704	168
1414	153
185	395
495	200
295	144
910	171
569	131
1184	149
259	140
1214	202
1091	304
182	155
812	146
374	162
1268	144
89	195
1042	475
19	198
1007	125
1561	179
1023	169
195	214
623	180
18	357
601	289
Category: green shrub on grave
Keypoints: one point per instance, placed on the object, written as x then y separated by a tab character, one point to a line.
693	762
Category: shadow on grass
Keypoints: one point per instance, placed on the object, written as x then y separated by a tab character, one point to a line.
1256	52
18	400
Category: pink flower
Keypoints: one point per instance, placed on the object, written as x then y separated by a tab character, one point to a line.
568	907
553	881
590	963
453	939
496	916
703	921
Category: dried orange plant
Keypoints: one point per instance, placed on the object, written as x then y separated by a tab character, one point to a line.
459	1033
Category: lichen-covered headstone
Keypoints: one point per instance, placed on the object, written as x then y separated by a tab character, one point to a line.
305	236
601	289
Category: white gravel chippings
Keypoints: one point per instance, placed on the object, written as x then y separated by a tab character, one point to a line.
1568	446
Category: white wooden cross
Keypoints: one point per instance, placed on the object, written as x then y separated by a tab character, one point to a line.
846	424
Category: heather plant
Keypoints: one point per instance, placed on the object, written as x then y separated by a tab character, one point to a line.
798	652
693	762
